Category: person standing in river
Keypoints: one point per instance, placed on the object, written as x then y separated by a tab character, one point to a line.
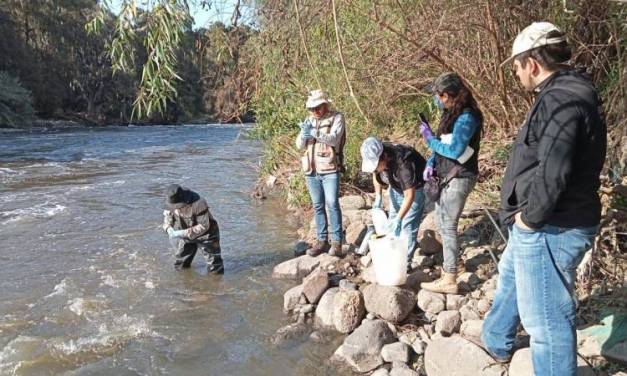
322	136
187	218
400	167
550	201
455	163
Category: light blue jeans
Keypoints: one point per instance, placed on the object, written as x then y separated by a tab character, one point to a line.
411	220
324	190
535	287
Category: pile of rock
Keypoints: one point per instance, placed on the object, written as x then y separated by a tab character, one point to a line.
394	330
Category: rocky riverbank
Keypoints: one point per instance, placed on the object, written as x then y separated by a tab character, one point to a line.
400	330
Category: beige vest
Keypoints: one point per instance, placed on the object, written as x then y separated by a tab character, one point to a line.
320	157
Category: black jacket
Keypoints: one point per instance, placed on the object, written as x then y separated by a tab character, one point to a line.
405	167
194	217
553	171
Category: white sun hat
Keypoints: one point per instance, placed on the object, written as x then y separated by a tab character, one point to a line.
533	36
371	150
316	98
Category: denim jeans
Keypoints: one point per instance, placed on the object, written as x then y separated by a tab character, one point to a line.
448	209
324	190
411	220
535	287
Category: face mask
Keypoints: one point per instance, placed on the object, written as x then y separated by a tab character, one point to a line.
438	102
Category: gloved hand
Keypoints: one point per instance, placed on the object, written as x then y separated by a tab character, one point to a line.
305	125
305	134
376	204
428	173
314	133
425	131
394	227
172	233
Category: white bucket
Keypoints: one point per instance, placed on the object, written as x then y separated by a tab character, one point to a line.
389	258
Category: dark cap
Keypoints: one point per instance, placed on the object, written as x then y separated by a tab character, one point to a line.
446	82
175	196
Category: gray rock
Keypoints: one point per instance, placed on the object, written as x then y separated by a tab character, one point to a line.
355	233
381	372
324	310
468	312
391	303
455	302
469	278
371	316
448	322
431	302
327	260
307	308
430	243
296	268
362	348
352	202
455	356
348	310
347	285
403	372
521	365
419	347
289	332
315	284
291	298
422	261
471	329
415	278
408	338
395	352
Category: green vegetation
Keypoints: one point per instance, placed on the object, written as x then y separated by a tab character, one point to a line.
16	107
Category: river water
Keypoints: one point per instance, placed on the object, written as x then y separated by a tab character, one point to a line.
87	284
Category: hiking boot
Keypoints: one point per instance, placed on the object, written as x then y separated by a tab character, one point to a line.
336	249
446	284
319	247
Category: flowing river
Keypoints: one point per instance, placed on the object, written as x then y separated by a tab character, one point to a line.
87	283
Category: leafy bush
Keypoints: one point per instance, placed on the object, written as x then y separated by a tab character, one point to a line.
16	103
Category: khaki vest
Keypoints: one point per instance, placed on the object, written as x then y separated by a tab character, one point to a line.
320	157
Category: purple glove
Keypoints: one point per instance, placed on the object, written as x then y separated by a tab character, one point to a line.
427	174
425	131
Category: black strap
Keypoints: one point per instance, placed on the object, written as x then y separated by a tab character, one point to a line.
451	175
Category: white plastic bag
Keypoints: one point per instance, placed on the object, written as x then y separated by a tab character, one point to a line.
389	258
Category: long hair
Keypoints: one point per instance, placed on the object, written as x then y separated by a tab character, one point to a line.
462	100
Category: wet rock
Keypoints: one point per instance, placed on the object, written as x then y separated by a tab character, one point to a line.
455	302
315	284
289	332
391	303
352	202
431	302
355	233
362	348
471	329
456	356
448	322
291	298
347	285
296	268
415	278
521	365
395	352
348	310
324	310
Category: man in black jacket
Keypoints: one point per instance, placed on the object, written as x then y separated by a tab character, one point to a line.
549	201
187	218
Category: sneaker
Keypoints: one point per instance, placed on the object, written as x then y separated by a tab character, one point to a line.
320	247
336	249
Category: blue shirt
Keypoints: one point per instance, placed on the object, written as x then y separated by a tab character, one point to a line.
463	129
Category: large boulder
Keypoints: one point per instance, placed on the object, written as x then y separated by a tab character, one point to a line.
391	303
324	311
315	284
291	298
455	356
362	348
290	332
448	322
352	202
348	310
471	329
296	268
521	365
355	233
431	302
395	352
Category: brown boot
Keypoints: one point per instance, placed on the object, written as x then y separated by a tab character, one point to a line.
319	247
446	284
336	249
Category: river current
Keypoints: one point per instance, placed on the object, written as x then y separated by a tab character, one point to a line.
87	283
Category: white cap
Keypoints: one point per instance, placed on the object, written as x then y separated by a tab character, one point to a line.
371	150
316	98
533	36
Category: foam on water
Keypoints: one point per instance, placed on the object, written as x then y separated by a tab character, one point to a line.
44	210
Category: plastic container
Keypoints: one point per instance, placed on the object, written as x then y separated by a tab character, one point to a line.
380	221
389	258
